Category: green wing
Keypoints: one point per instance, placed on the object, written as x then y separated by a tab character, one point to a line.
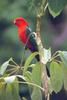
31	39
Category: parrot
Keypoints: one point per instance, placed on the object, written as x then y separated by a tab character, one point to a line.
26	35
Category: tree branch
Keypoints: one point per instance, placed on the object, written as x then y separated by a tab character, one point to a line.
41	51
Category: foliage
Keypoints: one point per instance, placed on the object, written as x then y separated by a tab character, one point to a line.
14	76
9	80
56	6
56	76
11	9
12	80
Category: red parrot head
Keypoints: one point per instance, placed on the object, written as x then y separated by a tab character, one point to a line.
20	22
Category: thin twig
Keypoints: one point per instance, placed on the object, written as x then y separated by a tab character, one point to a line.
12	65
13	71
33	84
14	62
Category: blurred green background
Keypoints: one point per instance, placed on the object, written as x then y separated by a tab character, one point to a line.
53	30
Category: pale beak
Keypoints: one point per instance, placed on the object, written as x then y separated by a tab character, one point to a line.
14	22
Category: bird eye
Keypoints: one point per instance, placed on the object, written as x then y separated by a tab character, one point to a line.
18	21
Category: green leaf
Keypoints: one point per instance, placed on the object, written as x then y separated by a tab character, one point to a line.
63	56
47	55
12	89
50	86
65	78
56	76
64	68
2	91
4	67
28	61
36	95
28	76
8	91
15	90
56	6
36	79
36	74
